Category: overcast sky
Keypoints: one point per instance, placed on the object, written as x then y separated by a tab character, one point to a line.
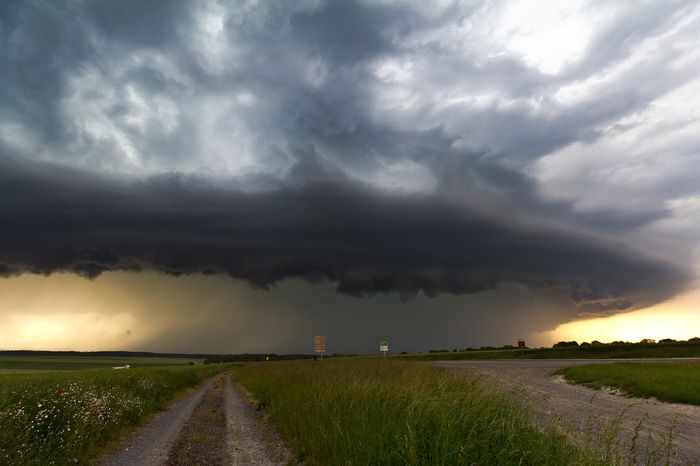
426	172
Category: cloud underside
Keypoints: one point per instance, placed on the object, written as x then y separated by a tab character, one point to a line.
365	240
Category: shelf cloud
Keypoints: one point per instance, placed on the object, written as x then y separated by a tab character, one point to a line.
385	147
365	240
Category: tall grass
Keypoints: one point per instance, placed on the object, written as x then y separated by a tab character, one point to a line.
67	417
374	411
676	382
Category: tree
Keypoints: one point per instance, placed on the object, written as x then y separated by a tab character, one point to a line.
565	344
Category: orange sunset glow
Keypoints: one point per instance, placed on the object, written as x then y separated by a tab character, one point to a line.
678	319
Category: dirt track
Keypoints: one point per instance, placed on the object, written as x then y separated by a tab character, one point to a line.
589	414
150	445
214	426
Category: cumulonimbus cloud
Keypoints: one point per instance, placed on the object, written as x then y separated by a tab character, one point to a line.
366	241
395	146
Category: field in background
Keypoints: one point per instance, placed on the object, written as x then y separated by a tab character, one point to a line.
681	349
14	363
675	382
388	411
41	361
69	417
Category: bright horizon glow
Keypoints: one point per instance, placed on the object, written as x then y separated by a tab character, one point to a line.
89	331
138	312
677	318
68	313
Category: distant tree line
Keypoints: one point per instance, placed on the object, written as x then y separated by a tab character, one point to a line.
575	344
482	348
221	358
643	341
246	357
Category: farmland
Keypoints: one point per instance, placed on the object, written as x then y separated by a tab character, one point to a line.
364	410
68	417
373	411
675	382
13	363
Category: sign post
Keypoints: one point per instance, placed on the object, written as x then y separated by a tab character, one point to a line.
320	345
521	345
384	347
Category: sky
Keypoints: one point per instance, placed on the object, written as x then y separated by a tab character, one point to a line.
205	176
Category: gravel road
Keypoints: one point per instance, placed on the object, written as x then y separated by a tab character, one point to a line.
214	425
587	413
202	440
150	445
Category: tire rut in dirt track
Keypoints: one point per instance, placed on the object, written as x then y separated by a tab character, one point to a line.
247	444
583	411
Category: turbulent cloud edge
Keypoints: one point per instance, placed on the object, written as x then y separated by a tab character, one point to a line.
368	241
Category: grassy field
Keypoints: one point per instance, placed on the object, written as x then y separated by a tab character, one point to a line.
623	351
675	382
386	411
11	363
68	417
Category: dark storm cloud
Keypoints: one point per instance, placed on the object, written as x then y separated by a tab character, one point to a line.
121	120
366	241
277	48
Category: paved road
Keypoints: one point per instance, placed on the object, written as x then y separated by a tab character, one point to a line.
588	413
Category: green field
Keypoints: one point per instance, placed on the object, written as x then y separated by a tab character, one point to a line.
683	349
675	382
361	411
69	417
12	363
